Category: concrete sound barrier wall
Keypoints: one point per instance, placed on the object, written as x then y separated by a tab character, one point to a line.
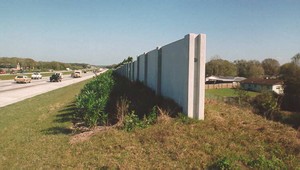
175	71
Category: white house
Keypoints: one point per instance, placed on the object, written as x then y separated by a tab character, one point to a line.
258	85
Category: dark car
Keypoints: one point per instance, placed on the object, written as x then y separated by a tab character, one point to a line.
56	77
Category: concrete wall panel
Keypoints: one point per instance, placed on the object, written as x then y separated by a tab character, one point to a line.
152	69
141	68
174	72
135	70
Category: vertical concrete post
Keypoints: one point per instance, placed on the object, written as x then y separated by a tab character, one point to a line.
196	75
201	56
190	87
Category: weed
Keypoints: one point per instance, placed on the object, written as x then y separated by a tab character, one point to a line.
223	163
263	163
163	115
183	118
132	121
122	109
151	118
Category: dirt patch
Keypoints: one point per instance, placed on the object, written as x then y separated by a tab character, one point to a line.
86	135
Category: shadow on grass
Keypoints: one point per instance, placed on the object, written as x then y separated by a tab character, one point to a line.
142	99
291	118
57	130
65	115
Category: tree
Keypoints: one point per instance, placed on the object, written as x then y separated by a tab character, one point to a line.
220	67
252	68
255	69
270	66
296	59
241	67
266	104
129	59
125	61
290	73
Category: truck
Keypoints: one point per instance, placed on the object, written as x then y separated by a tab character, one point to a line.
56	77
36	75
77	74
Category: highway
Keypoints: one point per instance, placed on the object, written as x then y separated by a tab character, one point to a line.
12	92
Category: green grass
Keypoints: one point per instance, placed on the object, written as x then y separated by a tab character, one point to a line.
209	93
36	133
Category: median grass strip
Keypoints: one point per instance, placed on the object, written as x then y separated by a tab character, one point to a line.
36	133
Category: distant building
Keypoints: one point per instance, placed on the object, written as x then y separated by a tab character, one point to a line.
258	85
18	67
15	70
223	79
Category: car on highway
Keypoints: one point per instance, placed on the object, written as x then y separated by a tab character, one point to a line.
36	75
22	79
56	77
76	74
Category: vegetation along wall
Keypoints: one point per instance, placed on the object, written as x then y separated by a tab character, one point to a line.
175	71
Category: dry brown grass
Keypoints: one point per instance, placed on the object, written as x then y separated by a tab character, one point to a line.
122	110
237	134
163	115
227	131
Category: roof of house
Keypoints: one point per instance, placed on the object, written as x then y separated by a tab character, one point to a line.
262	81
225	78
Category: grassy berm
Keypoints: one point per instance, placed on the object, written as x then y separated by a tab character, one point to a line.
37	133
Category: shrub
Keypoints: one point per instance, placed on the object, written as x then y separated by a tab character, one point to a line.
132	121
93	98
266	104
242	95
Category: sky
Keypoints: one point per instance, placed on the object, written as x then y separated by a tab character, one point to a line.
103	32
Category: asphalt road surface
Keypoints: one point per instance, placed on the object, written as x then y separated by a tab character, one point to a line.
12	92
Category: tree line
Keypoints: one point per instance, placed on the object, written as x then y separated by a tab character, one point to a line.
30	64
242	68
